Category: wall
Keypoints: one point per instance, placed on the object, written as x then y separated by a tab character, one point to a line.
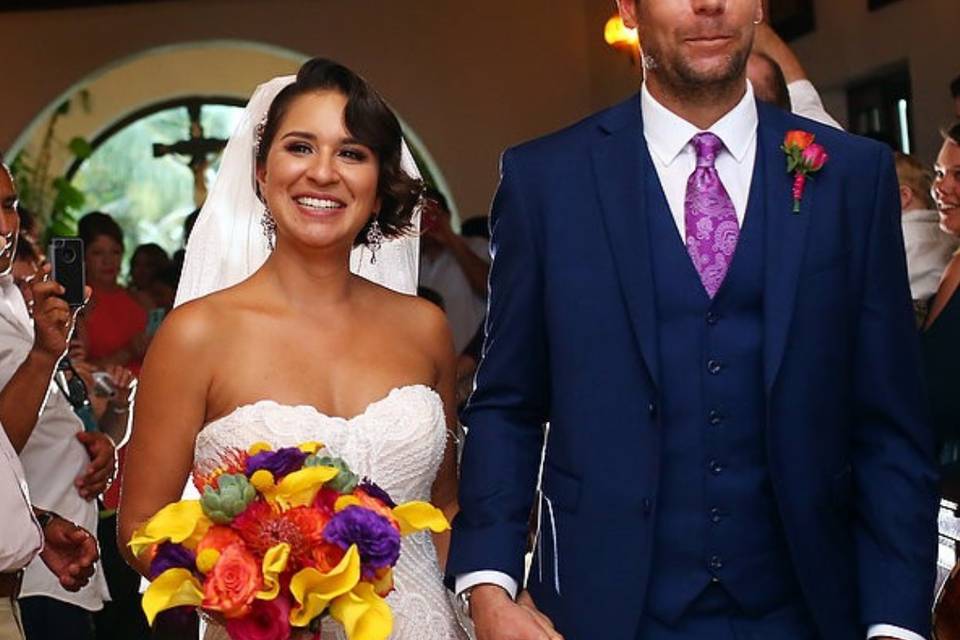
851	42
469	78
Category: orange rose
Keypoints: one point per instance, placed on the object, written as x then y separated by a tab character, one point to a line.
233	582
798	140
371	503
326	556
218	538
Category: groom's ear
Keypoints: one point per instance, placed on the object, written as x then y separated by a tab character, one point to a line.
628	13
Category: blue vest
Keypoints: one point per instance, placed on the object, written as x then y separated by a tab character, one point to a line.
716	520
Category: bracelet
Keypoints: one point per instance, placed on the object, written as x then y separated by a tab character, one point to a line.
120	409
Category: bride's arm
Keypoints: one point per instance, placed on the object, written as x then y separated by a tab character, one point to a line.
444	494
170	410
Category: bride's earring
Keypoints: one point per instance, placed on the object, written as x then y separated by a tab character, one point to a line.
374	239
269	225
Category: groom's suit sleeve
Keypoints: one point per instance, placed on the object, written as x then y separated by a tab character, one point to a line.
893	449
508	408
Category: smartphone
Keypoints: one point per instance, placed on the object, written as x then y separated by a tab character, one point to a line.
66	260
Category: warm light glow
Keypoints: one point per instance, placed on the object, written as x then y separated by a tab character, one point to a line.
618	35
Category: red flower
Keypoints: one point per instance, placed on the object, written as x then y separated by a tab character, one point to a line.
262	527
814	157
268	620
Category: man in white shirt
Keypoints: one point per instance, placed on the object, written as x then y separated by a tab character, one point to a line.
70	551
727	360
928	248
66	468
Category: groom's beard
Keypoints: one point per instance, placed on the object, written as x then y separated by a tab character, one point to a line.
683	80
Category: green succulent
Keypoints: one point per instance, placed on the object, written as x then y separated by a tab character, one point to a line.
345	481
229	500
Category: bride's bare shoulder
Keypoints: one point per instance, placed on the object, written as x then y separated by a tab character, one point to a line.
417	319
196	323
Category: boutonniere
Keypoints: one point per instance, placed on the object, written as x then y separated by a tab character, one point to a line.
803	158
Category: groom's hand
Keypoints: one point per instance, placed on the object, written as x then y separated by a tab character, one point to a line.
497	617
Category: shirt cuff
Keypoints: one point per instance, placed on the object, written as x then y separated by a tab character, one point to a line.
890	631
472	579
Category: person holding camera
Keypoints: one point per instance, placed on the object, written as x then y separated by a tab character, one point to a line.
65	467
455	267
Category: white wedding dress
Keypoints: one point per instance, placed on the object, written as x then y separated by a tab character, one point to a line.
398	443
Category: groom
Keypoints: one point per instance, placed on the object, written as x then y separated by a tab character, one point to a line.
737	446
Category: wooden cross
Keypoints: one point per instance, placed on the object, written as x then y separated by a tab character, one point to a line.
199	149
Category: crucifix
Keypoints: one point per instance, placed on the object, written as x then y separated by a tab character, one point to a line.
198	148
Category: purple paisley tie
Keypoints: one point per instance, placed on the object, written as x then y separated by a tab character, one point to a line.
711	222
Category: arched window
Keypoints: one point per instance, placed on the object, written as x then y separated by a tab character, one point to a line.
151	169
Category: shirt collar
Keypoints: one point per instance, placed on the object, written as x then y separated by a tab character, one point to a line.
668	134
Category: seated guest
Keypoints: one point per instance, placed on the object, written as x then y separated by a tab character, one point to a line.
804	99
66	468
941	335
928	247
146	262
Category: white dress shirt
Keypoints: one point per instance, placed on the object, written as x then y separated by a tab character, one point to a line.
22	538
928	249
52	458
668	136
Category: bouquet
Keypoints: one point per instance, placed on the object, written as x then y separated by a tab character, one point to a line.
279	540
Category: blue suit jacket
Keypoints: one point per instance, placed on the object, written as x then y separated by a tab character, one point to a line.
572	340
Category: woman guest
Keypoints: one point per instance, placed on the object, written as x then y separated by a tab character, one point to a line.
942	328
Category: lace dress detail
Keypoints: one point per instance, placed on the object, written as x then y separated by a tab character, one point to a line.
398	442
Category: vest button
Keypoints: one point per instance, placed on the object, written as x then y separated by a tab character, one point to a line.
716	468
715	418
652	410
716	515
713	317
716	563
714	366
647	506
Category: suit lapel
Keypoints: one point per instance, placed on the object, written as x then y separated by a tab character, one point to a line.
620	160
785	239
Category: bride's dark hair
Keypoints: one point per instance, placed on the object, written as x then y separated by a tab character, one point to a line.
371	122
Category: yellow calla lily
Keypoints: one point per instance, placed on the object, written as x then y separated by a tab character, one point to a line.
274	563
311	447
172	588
259	447
363	614
299	488
417	516
313	590
346	501
182	522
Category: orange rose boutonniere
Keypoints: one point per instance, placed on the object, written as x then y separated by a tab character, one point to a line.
804	157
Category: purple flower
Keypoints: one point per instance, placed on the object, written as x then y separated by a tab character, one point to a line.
376	539
279	462
172	556
374	491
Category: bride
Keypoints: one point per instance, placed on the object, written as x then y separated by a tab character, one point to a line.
285	343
